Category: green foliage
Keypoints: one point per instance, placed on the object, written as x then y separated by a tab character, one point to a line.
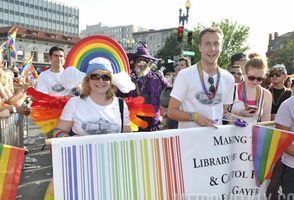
235	37
283	55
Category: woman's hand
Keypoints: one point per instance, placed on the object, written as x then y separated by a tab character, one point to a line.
247	112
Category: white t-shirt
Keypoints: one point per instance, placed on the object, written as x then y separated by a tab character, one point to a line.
188	90
89	118
49	83
285	117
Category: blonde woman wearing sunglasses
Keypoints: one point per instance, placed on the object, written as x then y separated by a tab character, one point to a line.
97	109
253	102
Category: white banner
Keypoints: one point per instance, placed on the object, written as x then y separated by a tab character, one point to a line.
197	163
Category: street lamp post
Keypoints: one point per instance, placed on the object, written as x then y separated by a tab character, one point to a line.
182	19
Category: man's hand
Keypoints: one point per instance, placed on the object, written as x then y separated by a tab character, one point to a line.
204	121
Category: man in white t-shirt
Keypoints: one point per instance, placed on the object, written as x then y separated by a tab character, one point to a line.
202	92
49	80
285	120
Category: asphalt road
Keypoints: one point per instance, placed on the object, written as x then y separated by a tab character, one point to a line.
37	171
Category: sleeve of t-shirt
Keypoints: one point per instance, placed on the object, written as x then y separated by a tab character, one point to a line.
180	87
283	116
126	115
42	84
231	87
68	110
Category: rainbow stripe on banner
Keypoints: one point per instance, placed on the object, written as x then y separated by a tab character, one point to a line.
135	169
11	160
268	146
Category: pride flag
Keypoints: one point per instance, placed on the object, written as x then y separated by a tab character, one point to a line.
28	69
11	160
11	43
268	145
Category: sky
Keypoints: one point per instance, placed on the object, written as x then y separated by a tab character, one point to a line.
261	16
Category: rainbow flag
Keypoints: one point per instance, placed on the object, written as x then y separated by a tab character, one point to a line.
11	160
11	43
29	69
268	144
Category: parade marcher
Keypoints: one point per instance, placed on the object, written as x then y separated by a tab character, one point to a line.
149	84
96	110
182	63
288	82
202	92
252	102
49	80
236	71
278	76
239	59
285	120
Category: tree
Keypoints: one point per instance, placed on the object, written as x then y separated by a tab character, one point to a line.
171	47
235	37
284	55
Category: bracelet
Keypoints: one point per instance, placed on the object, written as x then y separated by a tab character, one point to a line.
195	116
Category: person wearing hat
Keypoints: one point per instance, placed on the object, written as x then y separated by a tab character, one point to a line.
97	110
148	84
278	76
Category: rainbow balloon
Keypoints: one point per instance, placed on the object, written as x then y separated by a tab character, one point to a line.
98	46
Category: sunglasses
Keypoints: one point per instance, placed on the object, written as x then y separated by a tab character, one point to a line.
252	78
211	87
96	77
237	73
275	74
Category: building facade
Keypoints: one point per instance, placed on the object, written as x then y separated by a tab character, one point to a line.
155	39
122	34
43	15
276	42
37	43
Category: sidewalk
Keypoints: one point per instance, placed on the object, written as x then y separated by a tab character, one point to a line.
37	171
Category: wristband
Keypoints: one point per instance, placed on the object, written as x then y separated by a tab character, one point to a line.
58	133
195	116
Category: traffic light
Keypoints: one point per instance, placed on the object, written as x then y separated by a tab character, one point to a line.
180	33
190	38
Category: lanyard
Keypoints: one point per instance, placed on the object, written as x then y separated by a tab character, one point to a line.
209	94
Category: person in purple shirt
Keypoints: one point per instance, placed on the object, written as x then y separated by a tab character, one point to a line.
149	84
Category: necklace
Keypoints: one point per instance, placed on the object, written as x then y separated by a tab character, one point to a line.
278	100
245	101
209	94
